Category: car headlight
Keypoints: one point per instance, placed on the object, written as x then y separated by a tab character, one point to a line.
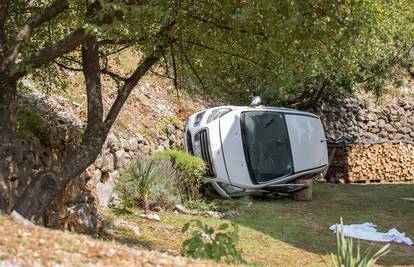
217	113
198	119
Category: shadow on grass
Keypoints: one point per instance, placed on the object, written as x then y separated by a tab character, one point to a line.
121	211
305	225
126	237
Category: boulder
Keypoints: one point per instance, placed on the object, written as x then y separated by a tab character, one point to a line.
103	194
121	159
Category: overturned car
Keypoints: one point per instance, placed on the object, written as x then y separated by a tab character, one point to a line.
257	150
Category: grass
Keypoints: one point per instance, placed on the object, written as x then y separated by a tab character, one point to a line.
284	232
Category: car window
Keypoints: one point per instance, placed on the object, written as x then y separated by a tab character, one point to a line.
266	145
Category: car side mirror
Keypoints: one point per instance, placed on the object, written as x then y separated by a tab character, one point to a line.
256	101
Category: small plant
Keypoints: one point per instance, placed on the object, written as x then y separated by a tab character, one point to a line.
345	252
162	123
29	122
127	190
190	172
163	189
144	173
203	205
214	244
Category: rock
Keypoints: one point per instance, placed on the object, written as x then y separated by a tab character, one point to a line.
96	178
213	214
157	208
112	142
129	225
170	129
89	171
231	213
150	216
371	117
125	144
20	219
389	128
103	194
180	208
121	159
141	140
108	164
133	144
83	219
404	130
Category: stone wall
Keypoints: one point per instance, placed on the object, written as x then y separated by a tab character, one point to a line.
117	154
361	119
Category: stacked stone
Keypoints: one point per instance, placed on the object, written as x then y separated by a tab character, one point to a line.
117	154
360	119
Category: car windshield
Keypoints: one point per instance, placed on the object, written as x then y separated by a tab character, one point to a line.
266	145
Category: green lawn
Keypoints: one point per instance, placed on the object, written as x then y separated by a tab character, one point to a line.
284	232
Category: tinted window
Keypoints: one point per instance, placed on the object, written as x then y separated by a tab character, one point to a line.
266	145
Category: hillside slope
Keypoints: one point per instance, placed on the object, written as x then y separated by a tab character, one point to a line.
22	245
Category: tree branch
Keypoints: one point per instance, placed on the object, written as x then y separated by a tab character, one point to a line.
26	30
113	75
4	6
49	53
191	66
129	84
92	74
139	72
226	27
222	51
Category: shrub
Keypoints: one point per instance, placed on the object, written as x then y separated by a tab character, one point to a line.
214	244
144	173
190	172
127	190
345	252
159	188
29	122
165	190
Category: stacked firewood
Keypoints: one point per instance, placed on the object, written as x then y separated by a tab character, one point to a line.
379	163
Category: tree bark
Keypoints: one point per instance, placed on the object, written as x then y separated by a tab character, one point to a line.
8	110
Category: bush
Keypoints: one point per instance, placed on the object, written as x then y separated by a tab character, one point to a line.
345	253
165	190
214	244
29	122
190	172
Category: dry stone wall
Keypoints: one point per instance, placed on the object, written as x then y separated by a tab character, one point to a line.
363	119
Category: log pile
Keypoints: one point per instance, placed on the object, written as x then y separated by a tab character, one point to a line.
365	163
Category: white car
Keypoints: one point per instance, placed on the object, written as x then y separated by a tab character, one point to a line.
257	150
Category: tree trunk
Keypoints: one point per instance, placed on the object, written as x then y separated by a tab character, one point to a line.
8	110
